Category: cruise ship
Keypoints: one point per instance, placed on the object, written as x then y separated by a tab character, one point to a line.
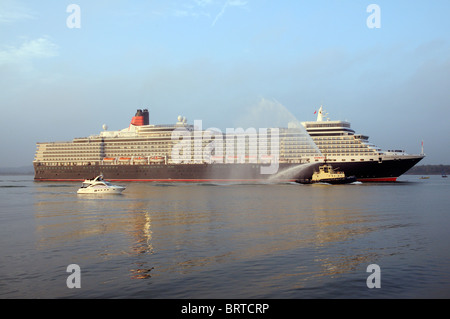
183	152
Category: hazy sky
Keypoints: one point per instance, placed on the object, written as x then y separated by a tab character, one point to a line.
229	63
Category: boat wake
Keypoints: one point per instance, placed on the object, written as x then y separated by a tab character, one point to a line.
11	186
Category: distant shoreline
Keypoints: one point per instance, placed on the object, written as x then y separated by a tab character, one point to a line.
416	170
23	170
429	170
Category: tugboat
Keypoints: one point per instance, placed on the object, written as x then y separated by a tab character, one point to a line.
98	185
327	174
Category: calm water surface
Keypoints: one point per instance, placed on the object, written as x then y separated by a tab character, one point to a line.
284	241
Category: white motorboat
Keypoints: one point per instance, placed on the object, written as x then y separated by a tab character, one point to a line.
99	186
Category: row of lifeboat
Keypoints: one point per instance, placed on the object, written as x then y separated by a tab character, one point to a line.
153	159
161	159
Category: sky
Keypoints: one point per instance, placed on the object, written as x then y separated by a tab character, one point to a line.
230	63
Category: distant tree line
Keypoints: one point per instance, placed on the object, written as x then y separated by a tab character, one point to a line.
25	170
429	170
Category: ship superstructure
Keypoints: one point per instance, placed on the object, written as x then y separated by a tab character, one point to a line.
354	154
337	141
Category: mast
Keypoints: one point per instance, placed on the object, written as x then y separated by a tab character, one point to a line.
321	114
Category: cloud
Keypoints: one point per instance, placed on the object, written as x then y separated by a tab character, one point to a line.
195	9
42	47
198	9
228	3
11	11
203	3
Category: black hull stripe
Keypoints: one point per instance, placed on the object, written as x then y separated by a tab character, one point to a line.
388	170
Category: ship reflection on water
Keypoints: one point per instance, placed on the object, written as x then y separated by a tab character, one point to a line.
276	234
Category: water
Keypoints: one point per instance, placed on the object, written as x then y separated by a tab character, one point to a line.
285	241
